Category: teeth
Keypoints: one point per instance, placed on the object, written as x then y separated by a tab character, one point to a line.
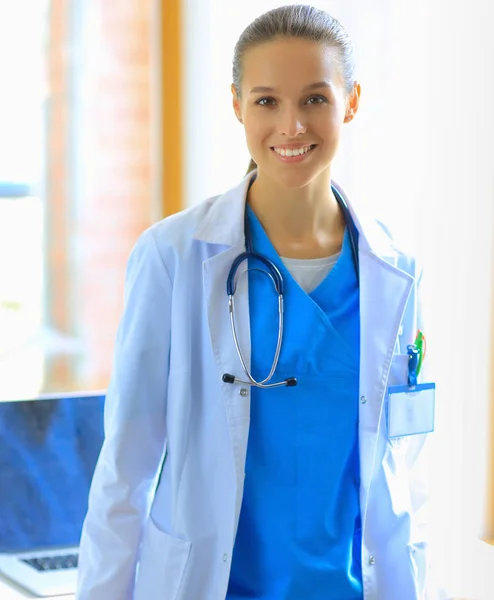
295	152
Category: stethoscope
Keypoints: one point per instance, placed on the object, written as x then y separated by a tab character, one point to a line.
274	274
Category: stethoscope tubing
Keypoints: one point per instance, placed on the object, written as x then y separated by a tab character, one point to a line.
274	273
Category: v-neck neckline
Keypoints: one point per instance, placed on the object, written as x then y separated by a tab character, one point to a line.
274	256
324	298
321	308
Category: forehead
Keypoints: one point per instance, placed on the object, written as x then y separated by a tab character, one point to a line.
288	64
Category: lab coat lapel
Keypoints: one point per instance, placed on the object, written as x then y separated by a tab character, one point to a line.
234	398
384	291
223	229
215	274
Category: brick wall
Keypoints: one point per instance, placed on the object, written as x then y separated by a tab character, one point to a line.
100	199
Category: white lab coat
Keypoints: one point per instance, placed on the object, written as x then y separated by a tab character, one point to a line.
173	539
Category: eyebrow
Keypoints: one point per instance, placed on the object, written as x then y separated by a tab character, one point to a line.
260	89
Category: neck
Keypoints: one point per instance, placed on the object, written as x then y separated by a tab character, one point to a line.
302	222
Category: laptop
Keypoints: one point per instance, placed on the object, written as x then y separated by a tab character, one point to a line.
49	447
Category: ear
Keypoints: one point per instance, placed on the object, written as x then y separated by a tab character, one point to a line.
236	103
353	103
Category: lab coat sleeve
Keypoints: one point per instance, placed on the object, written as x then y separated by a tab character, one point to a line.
135	434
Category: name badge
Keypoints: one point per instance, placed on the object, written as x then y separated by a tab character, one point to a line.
411	409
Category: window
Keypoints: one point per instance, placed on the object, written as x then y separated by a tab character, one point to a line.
76	173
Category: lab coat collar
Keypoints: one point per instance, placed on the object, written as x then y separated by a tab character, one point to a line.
224	222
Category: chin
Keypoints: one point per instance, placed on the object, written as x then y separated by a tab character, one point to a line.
293	177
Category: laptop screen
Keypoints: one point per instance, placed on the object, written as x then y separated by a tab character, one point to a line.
48	452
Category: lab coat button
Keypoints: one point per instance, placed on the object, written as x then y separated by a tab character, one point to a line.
244	392
372	560
225	557
363	399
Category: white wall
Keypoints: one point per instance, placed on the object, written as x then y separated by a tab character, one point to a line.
456	236
419	153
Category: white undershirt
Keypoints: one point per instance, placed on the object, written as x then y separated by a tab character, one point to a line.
310	272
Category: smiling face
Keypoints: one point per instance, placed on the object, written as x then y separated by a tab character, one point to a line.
293	104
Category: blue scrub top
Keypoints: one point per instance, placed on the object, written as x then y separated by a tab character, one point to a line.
299	533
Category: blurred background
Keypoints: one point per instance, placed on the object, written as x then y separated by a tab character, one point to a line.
117	113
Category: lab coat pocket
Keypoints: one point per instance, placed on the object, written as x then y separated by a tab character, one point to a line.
162	565
418	559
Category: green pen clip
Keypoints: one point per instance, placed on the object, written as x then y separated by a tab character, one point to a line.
419	343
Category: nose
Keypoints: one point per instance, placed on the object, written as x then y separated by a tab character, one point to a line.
290	122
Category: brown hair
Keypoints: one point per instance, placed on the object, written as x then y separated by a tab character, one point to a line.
301	21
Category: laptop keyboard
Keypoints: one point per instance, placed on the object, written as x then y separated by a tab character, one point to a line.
53	563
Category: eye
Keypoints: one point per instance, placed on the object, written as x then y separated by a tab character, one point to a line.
265	101
318	100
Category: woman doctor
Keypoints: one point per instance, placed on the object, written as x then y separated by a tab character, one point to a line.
209	485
